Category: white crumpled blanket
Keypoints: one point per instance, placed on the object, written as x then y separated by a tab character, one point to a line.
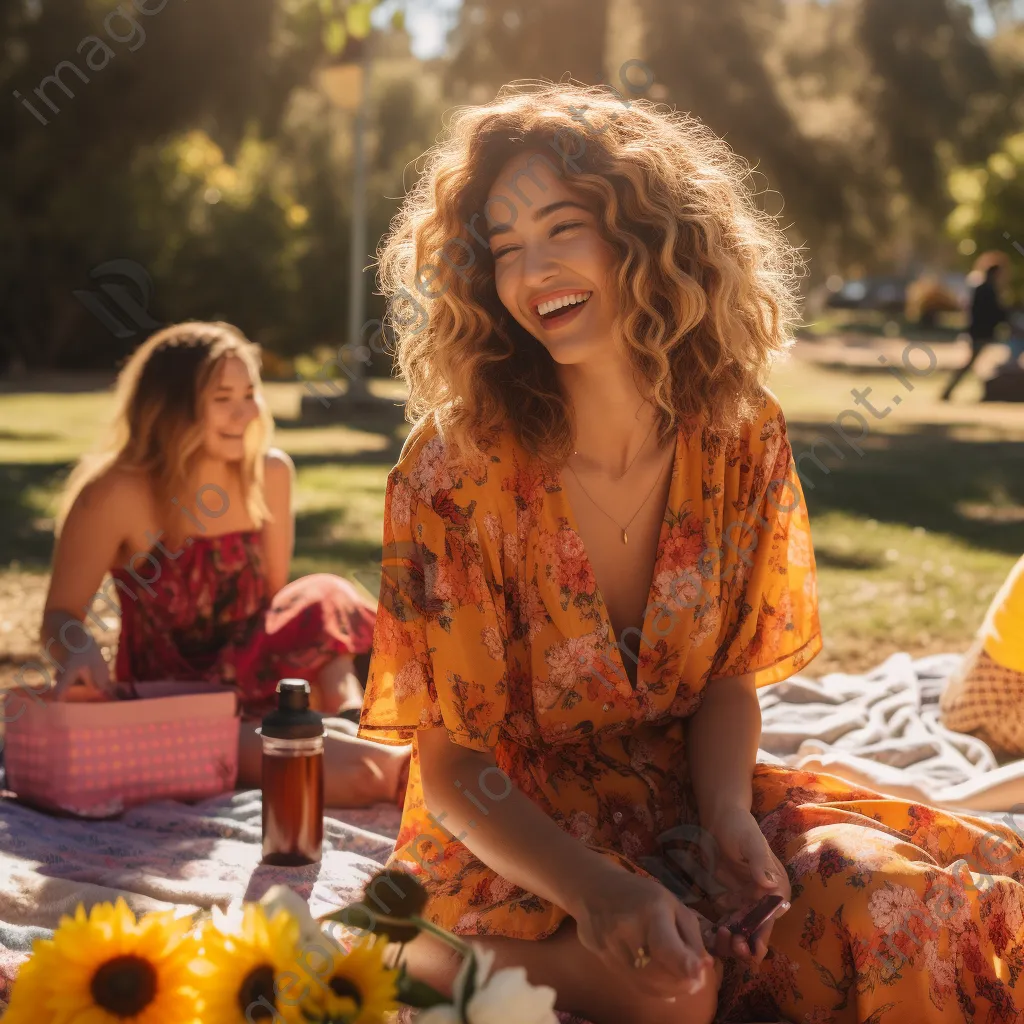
882	730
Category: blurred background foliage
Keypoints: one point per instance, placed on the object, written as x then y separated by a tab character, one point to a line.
202	147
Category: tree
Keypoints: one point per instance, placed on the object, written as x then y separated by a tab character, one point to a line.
936	94
712	58
989	212
107	92
497	41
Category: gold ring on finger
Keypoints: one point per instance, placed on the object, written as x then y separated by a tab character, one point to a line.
642	958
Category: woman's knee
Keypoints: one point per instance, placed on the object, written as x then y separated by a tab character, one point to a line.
693	1007
358	773
432	961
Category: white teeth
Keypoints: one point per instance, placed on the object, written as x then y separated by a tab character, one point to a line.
566	300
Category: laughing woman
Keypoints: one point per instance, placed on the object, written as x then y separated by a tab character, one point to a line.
596	549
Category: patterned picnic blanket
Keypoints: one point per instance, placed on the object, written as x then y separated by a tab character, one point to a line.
169	853
879	729
162	854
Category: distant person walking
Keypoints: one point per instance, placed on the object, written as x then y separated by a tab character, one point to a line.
987	314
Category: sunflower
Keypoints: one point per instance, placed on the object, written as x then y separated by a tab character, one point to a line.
243	958
354	988
105	968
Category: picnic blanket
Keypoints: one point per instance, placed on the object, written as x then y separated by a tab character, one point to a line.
167	853
880	730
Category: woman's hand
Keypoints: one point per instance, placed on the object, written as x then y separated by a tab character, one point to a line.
625	913
85	676
747	867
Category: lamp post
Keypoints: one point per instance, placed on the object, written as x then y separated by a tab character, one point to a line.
346	83
357	295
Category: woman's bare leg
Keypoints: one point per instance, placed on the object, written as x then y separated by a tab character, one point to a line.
584	983
357	773
995	790
336	687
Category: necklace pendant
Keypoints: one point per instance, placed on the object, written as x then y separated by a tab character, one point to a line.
623	536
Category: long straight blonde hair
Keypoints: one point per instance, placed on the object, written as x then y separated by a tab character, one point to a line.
157	428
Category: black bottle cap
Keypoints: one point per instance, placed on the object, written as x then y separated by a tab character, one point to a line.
292	719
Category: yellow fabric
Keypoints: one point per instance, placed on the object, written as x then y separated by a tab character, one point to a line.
1003	629
512	593
491	626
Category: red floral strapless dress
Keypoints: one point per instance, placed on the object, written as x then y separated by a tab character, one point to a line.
202	613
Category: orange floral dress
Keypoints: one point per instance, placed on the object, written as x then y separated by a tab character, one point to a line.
491	626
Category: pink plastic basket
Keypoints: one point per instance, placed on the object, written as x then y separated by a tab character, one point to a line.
96	759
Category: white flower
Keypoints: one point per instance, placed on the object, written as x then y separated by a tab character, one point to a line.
280	897
439	1015
509	996
506	996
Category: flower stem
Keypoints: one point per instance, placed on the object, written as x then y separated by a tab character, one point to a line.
445	936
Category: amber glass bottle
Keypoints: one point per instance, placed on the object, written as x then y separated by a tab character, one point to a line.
293	778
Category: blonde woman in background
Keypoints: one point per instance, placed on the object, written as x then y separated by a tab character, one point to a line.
190	512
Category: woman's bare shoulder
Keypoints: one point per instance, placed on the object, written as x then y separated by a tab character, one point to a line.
278	464
117	488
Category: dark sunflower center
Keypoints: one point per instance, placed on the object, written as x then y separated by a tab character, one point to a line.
124	986
344	989
256	995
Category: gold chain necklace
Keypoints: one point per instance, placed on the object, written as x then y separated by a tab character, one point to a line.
625	539
632	460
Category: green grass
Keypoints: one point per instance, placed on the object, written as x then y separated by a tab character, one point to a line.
912	538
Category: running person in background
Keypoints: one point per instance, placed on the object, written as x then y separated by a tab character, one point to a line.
987	313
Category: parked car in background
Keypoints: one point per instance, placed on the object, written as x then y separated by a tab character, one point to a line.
884	293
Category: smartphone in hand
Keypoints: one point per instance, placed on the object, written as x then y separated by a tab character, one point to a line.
766	908
745	924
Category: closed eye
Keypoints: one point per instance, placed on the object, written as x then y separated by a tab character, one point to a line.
557	229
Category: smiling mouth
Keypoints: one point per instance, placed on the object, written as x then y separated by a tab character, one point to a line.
555	309
232	437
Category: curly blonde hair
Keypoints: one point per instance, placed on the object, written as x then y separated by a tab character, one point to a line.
707	282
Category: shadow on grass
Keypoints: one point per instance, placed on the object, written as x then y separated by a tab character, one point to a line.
874	327
825	556
874	370
922	477
393	430
320	536
26	535
21	435
385	419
